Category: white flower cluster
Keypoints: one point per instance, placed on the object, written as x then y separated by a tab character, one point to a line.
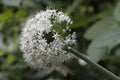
40	51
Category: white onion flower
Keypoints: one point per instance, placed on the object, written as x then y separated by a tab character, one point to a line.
44	37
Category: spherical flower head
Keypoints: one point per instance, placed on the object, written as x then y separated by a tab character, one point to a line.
44	37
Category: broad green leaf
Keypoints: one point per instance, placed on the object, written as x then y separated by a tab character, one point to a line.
97	54
107	40
101	27
99	46
117	12
11	2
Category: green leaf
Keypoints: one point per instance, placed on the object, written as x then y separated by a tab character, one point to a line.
107	40
6	15
80	21
117	12
10	59
11	2
117	52
20	14
102	27
99	46
97	54
2	52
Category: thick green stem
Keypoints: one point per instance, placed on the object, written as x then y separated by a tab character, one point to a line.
97	66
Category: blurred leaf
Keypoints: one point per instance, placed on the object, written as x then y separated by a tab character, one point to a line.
108	24
114	58
107	40
6	15
117	52
3	76
97	54
117	12
83	9
10	59
2	45
11	2
12	45
1	25
20	14
42	74
47	2
28	4
99	45
2	52
80	21
99	16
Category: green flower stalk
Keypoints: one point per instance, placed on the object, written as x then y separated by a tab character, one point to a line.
94	64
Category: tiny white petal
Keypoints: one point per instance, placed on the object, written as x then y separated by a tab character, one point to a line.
38	52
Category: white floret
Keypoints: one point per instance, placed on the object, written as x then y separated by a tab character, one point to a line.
38	52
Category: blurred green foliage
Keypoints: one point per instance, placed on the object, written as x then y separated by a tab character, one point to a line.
95	21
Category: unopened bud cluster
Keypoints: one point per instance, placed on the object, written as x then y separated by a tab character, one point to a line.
39	51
